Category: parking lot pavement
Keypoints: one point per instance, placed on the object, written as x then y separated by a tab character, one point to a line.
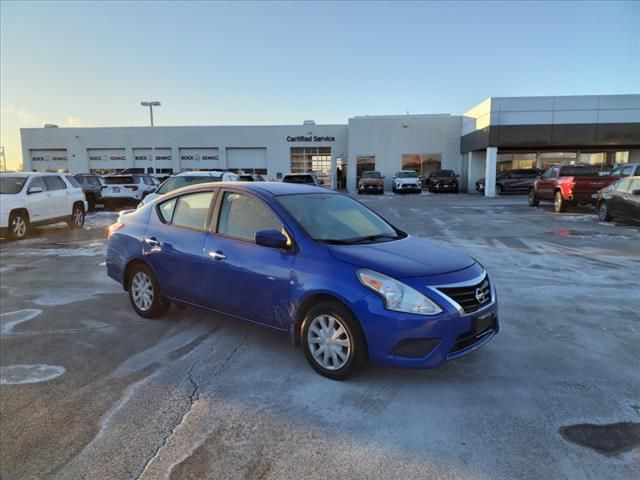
90	390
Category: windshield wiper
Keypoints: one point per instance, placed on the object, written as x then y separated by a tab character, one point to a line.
360	240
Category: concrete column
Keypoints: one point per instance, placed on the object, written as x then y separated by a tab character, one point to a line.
490	172
634	156
471	182
128	154
351	173
222	156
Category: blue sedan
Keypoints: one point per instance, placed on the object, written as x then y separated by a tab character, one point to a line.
345	284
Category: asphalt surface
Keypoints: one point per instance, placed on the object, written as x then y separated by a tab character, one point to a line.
90	390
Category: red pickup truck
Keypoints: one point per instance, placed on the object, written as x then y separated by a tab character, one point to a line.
568	185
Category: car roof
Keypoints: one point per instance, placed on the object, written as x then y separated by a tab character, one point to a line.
26	174
210	173
269	188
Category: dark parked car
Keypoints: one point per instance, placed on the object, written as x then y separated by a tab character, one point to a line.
251	177
626	170
338	279
92	188
304	178
620	200
441	181
513	181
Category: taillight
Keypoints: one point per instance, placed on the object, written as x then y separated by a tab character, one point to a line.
114	228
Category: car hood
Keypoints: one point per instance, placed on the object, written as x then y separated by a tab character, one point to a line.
442	179
405	258
371	181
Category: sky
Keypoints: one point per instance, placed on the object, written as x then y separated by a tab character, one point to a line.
244	63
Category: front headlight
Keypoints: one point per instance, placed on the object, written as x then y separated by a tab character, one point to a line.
396	295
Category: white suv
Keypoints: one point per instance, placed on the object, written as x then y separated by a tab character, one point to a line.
406	181
184	179
127	188
32	198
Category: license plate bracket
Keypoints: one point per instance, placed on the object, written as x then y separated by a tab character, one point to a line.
483	322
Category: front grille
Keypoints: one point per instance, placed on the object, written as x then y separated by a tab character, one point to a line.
470	298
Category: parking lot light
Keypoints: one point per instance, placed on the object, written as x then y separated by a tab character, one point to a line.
152	104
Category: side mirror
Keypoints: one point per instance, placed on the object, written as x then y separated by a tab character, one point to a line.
271	239
34	190
320	182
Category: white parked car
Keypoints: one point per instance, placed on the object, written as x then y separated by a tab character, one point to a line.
406	181
127	188
184	179
31	199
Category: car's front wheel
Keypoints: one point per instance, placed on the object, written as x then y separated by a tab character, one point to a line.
76	220
533	201
333	341
144	293
498	189
18	225
603	213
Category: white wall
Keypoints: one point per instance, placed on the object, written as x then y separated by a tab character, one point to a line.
272	140
389	137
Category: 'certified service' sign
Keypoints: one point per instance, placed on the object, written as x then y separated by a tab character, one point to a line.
310	138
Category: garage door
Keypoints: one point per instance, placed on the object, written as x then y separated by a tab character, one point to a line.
199	158
54	160
246	158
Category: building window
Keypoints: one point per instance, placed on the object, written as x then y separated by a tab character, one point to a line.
315	160
422	163
365	163
557	158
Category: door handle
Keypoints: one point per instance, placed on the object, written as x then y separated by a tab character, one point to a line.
217	255
153	241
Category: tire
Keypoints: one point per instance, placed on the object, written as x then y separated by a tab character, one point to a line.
394	190
331	321
91	200
559	205
76	220
533	201
603	212
499	189
18	225
144	293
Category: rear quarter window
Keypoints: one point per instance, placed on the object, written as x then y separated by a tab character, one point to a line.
55	183
73	181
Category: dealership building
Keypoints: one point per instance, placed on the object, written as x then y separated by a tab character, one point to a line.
497	135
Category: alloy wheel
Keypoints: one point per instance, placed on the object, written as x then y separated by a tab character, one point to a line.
78	217
329	342
19	227
142	290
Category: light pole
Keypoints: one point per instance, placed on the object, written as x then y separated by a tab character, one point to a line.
153	153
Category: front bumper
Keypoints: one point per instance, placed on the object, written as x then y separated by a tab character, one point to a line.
424	341
371	188
440	187
408	187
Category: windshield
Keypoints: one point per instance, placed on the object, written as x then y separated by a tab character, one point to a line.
178	182
443	173
337	219
371	175
11	185
119	180
407	174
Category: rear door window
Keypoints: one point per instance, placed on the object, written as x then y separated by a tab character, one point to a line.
38	182
192	211
120	181
54	183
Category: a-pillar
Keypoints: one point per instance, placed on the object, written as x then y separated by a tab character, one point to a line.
490	172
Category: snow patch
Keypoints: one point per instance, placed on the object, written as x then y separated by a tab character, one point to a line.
21	374
11	319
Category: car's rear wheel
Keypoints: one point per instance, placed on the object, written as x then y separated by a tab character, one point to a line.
76	221
603	213
533	201
144	293
559	205
18	225
498	189
333	341
91	201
